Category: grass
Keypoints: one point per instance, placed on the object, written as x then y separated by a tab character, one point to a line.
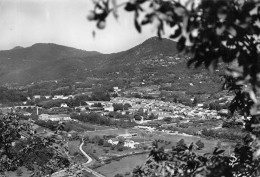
25	173
97	127
74	151
85	173
106	132
99	150
124	165
210	144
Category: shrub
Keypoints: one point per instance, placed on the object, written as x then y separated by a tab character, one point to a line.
120	148
180	145
200	144
106	144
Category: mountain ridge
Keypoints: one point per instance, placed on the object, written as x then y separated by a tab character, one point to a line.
49	61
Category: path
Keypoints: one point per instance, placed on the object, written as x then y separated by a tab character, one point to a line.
83	152
84	166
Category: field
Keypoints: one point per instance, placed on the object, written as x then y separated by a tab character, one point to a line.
124	165
127	164
108	131
96	127
210	144
100	150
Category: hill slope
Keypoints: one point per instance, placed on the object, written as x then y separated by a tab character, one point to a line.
40	62
153	60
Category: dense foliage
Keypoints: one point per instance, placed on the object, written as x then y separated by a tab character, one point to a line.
47	154
95	118
10	95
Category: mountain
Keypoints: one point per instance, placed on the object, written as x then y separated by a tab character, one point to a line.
40	62
17	47
155	60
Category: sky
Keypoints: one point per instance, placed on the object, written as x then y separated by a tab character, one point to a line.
26	22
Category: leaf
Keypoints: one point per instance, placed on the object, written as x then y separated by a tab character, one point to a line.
130	7
177	32
216	152
213	65
137	26
181	43
179	11
114	8
191	146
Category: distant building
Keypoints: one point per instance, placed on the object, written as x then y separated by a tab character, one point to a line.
113	141
125	136
60	97
131	144
109	108
24	113
95	109
116	89
47	96
63	105
57	117
36	96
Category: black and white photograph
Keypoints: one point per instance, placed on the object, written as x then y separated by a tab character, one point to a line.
129	88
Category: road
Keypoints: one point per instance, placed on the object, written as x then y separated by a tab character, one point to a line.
83	152
83	166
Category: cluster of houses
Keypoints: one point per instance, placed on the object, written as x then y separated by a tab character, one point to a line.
164	109
127	139
158	108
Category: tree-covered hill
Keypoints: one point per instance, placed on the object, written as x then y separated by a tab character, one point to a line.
155	61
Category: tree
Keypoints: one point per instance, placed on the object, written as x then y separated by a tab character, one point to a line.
10	132
44	152
118	107
152	116
195	101
200	144
181	145
126	106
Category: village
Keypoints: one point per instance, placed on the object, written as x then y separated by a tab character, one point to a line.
123	127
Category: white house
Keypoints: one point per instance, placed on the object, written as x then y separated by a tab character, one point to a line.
57	117
47	96
109	108
130	143
36	96
116	89
63	105
60	97
150	129
113	141
27	114
125	136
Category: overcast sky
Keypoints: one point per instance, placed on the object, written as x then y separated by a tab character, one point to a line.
26	22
